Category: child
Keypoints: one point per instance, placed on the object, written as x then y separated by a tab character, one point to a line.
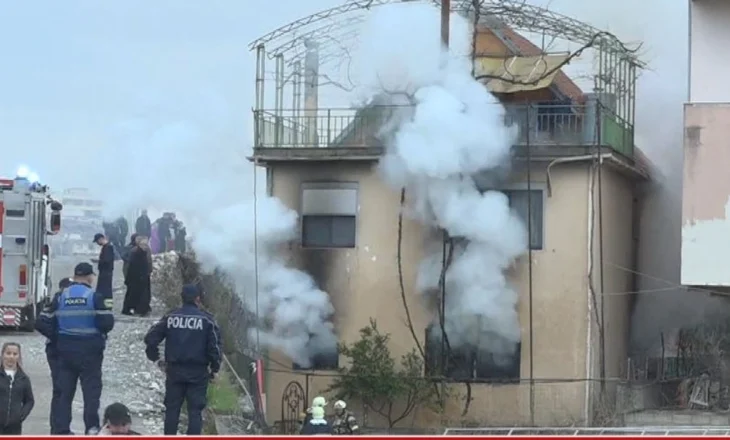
117	420
16	393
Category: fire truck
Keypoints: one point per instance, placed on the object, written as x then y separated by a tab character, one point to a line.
28	216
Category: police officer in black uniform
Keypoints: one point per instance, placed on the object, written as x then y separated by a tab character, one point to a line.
52	352
192	358
78	321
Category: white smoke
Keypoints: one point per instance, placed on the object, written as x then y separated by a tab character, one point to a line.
195	165
456	130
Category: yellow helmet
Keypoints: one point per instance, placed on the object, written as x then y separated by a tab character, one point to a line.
319	401
317	413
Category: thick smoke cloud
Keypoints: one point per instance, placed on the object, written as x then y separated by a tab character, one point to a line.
453	129
663	306
195	166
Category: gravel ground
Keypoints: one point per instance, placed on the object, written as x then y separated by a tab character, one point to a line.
128	376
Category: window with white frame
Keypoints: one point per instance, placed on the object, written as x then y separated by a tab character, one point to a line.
329	215
529	205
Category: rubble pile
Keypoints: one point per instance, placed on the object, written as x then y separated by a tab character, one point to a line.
167	279
130	378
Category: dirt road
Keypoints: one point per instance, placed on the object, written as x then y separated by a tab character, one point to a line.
128	377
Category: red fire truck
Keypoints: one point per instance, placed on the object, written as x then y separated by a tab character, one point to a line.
28	216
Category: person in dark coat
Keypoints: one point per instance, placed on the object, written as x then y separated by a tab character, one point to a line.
180	234
16	391
143	226
123	230
111	231
126	254
163	232
138	283
107	255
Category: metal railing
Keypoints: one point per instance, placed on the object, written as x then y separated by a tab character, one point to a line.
539	125
638	431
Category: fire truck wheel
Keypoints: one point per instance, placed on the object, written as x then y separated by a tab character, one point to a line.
28	317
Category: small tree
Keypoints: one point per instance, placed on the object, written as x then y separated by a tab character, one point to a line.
374	378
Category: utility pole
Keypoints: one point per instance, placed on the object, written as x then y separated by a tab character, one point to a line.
445	11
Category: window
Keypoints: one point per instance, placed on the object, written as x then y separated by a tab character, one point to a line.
465	365
329	361
326	360
328	231
518	200
329	215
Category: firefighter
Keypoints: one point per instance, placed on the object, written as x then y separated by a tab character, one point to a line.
345	422
79	320
317	425
306	416
52	354
192	358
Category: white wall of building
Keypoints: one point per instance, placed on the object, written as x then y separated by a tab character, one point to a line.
709	49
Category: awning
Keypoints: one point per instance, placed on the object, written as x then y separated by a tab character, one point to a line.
526	71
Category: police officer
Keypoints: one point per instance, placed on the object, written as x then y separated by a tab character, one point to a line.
52	352
79	320
192	359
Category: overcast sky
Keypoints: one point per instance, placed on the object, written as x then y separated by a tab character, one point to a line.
72	69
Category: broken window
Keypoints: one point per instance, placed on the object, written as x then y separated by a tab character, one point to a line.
504	369
466	365
322	361
327	355
530	211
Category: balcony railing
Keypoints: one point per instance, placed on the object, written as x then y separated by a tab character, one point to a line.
539	125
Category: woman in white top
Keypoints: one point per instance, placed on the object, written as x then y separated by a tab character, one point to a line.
16	392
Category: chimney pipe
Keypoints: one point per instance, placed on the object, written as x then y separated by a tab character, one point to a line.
311	86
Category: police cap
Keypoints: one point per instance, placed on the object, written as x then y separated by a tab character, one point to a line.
190	292
97	237
83	270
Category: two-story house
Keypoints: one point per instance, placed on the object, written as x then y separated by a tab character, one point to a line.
572	284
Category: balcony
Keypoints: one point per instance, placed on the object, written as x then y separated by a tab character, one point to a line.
557	129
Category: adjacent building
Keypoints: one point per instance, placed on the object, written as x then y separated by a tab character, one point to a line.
578	152
706	192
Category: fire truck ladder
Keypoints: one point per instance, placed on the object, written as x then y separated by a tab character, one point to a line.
638	431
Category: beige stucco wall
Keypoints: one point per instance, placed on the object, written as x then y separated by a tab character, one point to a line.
363	283
706	195
709	35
